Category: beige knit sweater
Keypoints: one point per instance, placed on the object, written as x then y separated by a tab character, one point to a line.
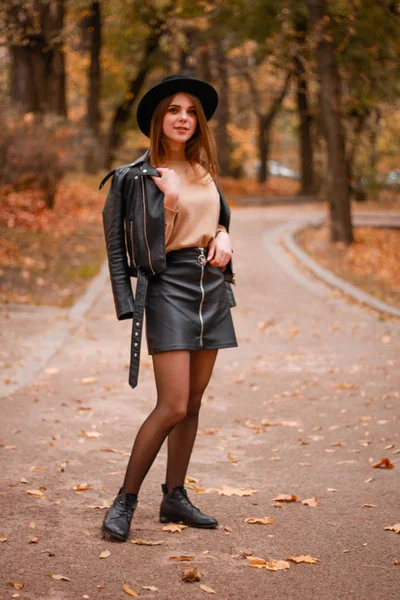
195	220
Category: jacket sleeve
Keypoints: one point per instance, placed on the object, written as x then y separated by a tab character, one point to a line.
114	233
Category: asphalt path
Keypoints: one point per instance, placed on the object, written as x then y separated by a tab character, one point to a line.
305	406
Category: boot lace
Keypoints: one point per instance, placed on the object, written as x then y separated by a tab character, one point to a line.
184	493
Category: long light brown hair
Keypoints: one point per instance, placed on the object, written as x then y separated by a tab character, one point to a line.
199	149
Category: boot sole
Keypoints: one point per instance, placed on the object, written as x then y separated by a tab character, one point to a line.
166	520
112	537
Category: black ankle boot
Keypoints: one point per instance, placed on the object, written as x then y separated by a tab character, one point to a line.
117	522
176	506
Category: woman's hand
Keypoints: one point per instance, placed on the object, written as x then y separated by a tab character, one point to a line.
220	250
169	183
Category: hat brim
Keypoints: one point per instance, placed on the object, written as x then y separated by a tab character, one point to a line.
205	92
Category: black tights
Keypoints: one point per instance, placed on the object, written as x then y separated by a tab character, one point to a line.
181	378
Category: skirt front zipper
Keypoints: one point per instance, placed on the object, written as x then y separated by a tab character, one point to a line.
202	260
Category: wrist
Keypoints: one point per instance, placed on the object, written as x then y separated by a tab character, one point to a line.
171	201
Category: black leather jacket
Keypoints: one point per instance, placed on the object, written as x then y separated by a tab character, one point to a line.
134	229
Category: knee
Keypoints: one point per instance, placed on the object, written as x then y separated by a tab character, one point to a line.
174	413
194	403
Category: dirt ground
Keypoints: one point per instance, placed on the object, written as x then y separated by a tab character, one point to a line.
306	406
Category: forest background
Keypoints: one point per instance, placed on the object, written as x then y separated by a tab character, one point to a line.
308	109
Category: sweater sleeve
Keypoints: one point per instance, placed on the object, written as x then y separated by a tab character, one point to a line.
170	216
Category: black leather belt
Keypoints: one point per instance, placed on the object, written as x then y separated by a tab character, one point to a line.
137	324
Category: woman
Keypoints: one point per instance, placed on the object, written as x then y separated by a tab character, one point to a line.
188	309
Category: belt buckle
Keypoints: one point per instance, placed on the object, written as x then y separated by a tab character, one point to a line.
201	259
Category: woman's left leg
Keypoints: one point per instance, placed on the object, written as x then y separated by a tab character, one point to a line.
181	437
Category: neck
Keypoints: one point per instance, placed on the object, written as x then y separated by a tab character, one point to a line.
176	153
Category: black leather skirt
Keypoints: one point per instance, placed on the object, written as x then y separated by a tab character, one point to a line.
187	305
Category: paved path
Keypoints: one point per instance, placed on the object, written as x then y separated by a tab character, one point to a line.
324	367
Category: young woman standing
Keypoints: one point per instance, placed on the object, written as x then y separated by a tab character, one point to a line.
188	312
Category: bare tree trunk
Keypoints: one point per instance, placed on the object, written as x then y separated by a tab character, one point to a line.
35	42
265	121
373	137
222	137
337	175
305	119
123	111
94	75
203	63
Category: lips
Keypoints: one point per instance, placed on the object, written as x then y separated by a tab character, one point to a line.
182	128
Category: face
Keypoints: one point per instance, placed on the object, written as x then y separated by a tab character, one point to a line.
180	120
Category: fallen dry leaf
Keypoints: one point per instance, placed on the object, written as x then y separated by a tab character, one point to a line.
191	574
174	527
209	431
310	502
286	498
183	557
227	490
146	543
267	423
395	528
82	487
259	520
17	586
303	559
23	480
277	565
36	493
385	463
256	561
102	506
58	577
34	540
105	554
205	588
91	434
152	588
344	386
115	451
87	380
130	591
3	537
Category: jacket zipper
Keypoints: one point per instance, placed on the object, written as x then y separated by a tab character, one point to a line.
145	232
202	300
133	250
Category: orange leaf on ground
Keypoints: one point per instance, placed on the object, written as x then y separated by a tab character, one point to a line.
130	591
303	559
259	520
395	528
385	463
277	565
145	543
286	498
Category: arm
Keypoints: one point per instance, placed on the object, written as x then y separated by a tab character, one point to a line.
114	233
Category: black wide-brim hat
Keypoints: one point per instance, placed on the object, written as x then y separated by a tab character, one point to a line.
172	84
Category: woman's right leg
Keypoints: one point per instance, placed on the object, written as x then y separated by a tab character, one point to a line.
172	377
